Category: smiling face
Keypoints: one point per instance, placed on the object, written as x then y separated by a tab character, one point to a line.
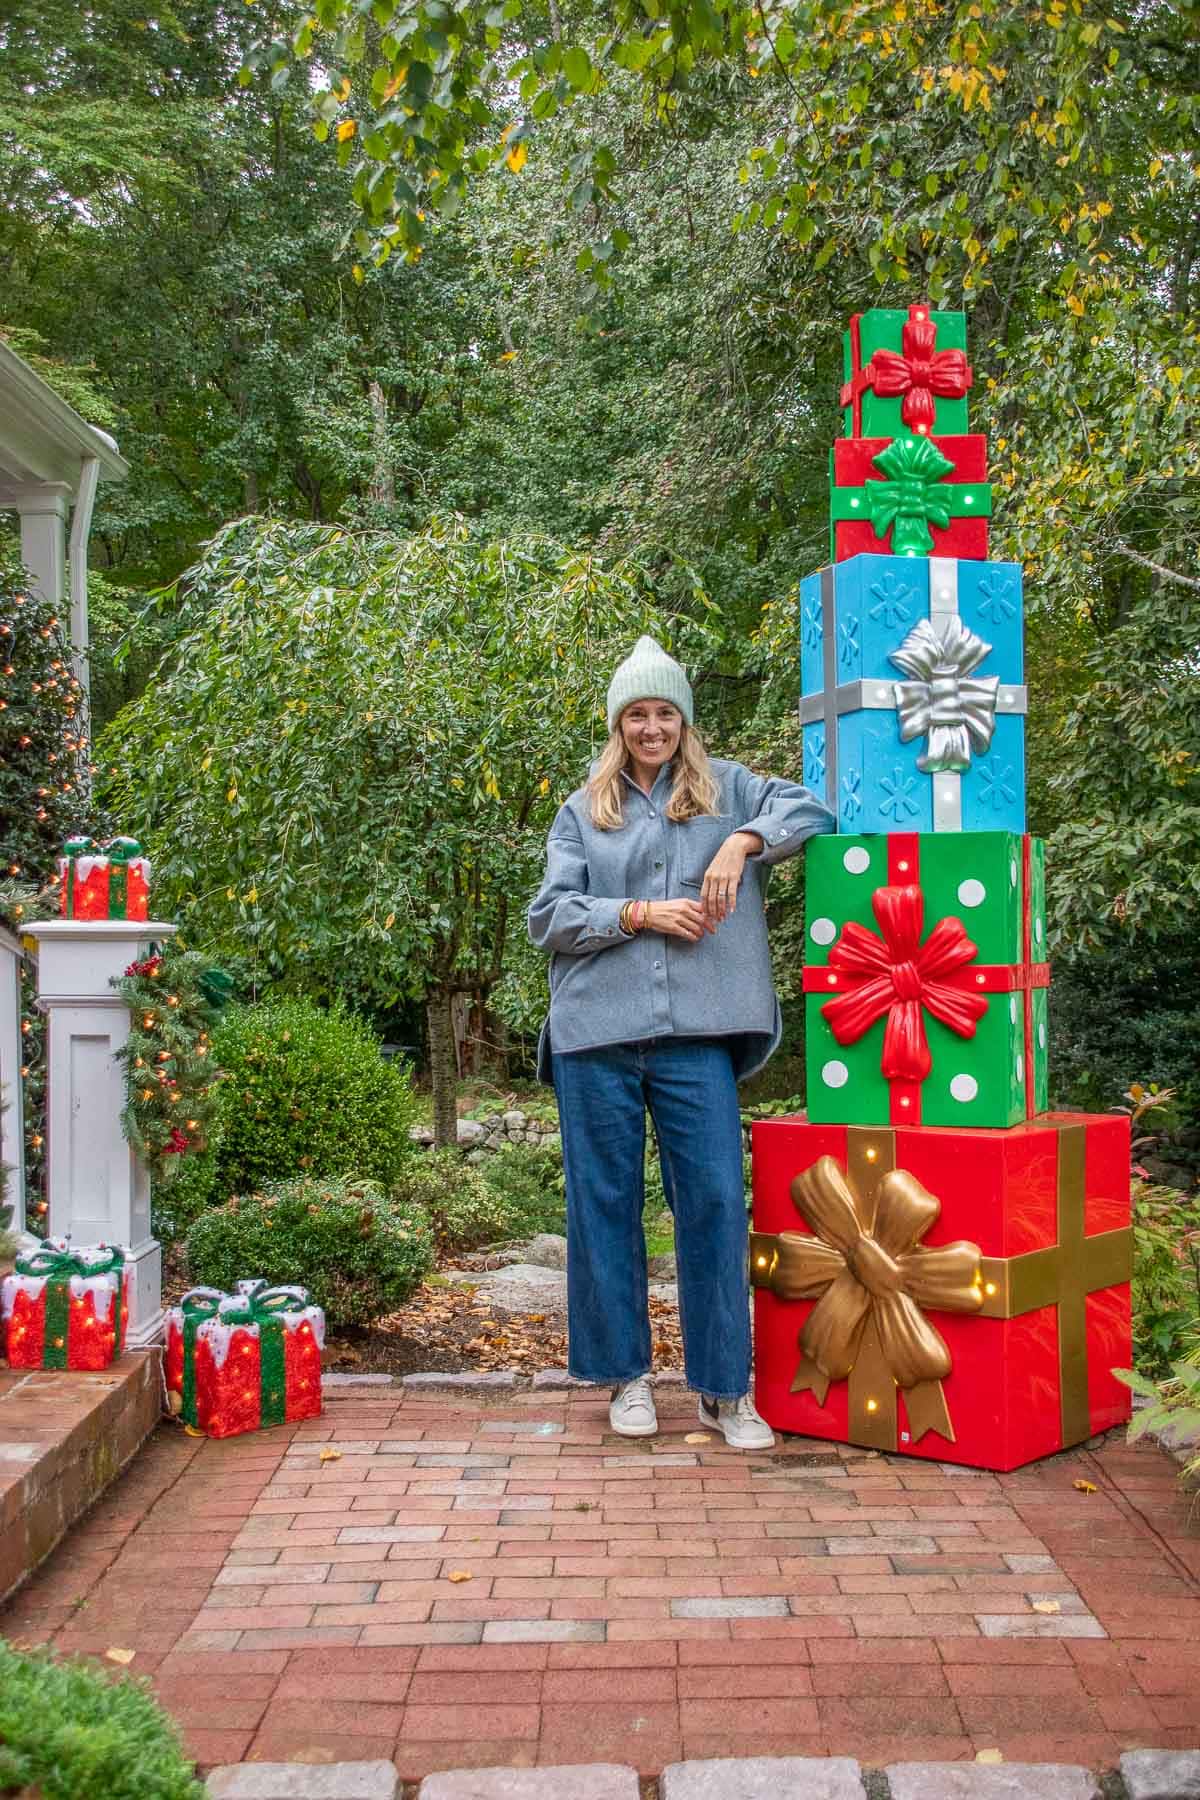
651	731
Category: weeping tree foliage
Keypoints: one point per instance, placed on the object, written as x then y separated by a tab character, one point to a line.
352	755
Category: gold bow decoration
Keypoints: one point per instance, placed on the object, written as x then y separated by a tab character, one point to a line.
871	1277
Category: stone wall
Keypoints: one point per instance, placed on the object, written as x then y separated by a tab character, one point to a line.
482	1137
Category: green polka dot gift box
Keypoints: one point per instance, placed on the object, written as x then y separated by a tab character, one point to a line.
925	979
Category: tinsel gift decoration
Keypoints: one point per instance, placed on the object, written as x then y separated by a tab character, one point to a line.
65	1306
918	360
243	1361
911	1017
960	1295
912	496
103	881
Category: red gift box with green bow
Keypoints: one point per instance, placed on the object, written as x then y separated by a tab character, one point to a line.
66	1307
910	496
103	881
242	1361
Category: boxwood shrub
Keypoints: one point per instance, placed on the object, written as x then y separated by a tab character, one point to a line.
359	1251
68	1732
307	1092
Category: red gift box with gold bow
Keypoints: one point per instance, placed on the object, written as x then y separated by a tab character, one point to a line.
959	1295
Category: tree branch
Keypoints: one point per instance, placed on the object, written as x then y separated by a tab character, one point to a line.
1155	568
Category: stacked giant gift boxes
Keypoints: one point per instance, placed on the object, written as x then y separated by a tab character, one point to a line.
941	1265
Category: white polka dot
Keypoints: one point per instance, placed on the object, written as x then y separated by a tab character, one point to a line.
1012	871
822	931
1041	1034
835	1074
856	860
1037	931
963	1087
1020	1069
1012	1008
972	893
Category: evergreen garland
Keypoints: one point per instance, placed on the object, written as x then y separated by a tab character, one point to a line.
42	732
174	997
20	905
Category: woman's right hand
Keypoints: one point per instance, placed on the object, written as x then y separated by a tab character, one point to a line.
678	918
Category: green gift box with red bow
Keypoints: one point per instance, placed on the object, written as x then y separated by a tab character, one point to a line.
243	1361
65	1307
910	496
926	979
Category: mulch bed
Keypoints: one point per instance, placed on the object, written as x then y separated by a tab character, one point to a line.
453	1330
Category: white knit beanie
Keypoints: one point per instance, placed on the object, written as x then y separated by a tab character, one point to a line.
648	674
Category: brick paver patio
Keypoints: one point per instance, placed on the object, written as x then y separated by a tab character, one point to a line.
629	1602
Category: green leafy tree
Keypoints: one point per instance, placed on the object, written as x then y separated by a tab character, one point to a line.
351	758
42	729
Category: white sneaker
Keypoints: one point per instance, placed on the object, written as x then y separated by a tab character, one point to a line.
631	1411
739	1421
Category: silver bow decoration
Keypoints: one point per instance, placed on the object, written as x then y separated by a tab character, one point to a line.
957	713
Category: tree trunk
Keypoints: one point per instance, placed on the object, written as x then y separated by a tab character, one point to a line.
383	483
442	1072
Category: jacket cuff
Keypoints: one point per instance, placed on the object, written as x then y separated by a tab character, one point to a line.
603	926
778	839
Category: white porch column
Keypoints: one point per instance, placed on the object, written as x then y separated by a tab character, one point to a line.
43	507
12	1129
99	1191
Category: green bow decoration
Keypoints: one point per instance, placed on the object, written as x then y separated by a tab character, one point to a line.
217	987
55	1264
197	1305
910	501
257	1304
120	852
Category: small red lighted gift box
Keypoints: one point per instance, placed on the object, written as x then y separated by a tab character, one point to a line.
242	1361
910	496
103	881
951	1293
65	1307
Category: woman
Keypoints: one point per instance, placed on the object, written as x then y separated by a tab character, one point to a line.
661	998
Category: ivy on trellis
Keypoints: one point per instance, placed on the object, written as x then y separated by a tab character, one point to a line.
174	997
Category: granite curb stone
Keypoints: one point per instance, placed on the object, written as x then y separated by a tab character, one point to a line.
591	1781
764	1778
305	1781
1162	1774
988	1781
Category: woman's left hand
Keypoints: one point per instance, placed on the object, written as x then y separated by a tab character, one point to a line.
718	891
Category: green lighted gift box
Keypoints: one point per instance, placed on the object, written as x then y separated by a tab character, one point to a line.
926	979
905	371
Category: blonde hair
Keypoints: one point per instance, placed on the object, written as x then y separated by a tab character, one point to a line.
693	794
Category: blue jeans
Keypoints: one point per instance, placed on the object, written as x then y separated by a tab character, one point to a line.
603	1095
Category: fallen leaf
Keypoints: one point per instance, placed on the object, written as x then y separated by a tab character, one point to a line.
329	1454
120	1656
1046	1606
698	1437
1084	1487
989	1756
460	1575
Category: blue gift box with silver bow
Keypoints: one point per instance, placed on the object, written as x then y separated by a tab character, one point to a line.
912	693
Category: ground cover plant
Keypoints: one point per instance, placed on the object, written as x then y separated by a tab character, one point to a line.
359	1251
67	1731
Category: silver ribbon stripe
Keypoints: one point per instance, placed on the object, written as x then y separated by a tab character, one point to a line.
945	701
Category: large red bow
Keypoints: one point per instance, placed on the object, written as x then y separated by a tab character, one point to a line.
919	374
897	975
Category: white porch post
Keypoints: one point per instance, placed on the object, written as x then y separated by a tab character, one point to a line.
12	1132
43	507
99	1191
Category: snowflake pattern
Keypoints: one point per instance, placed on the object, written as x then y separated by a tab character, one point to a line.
995	599
996	787
851	795
849	648
899	803
814	623
814	758
894	597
